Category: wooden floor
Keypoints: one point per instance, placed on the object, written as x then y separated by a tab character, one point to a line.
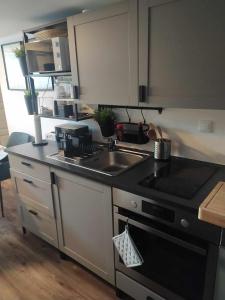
30	269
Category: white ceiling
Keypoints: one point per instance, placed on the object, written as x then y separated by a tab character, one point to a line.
17	15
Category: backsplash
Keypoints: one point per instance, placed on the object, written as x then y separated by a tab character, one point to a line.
181	126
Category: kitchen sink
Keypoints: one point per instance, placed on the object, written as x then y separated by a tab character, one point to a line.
106	162
113	162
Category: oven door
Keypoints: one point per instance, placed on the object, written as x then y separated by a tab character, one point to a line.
175	265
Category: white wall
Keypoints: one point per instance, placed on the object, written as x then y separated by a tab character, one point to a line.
179	124
3	123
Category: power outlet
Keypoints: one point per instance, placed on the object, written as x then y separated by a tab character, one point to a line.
206	126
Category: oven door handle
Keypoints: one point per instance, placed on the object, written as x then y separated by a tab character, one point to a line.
162	235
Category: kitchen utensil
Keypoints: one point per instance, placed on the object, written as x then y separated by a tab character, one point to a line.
159	132
152	132
162	149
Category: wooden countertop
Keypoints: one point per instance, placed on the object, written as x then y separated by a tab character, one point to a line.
212	209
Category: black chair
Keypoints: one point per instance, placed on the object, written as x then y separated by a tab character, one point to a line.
16	138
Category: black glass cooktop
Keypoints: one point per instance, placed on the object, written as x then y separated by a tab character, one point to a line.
182	178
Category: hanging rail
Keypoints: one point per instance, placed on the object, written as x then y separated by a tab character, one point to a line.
102	106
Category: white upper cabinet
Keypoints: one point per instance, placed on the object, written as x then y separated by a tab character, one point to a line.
168	53
104	54
182	53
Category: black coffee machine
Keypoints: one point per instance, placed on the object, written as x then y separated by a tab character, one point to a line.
74	140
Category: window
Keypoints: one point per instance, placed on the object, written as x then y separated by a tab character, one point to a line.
14	77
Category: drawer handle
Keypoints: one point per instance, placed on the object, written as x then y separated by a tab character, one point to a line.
32	212
28	181
25	164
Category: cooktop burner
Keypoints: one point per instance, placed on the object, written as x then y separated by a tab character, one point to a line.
182	178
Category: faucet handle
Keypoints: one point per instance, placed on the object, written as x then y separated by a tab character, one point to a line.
109	140
112	144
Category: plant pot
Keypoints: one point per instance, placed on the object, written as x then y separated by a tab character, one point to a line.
29	104
107	128
23	65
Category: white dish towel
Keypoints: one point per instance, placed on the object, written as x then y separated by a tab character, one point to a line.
127	250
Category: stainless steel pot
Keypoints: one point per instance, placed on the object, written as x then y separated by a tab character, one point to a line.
162	149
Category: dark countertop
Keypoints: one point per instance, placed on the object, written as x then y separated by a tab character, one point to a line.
129	180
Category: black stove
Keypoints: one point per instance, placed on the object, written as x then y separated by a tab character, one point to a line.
179	177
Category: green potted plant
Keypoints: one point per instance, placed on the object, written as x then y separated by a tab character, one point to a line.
29	101
106	120
21	55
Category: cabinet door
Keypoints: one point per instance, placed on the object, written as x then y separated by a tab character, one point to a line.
182	52
103	49
84	212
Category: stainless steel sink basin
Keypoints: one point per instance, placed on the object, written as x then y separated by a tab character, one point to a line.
105	162
113	162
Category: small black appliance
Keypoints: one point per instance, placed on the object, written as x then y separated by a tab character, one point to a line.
74	140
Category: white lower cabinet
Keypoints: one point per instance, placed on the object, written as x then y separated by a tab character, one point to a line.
72	213
84	222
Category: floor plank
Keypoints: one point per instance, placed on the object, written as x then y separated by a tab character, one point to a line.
30	269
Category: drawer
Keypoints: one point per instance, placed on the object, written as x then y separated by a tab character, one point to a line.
30	167
134	289
35	192
39	223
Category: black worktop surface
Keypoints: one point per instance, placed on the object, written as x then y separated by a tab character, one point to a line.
129	180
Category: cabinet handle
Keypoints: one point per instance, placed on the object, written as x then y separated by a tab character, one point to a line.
28	181
142	93
76	91
33	212
53	181
25	164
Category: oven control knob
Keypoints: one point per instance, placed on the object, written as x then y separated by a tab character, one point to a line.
184	223
133	204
